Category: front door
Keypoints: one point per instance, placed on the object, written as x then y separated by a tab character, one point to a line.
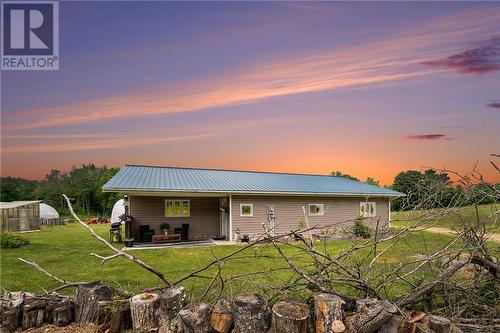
224	214
271	218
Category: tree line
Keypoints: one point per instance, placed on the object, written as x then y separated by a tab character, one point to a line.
417	185
83	184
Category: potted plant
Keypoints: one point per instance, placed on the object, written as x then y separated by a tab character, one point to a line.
245	239
237	235
164	227
129	242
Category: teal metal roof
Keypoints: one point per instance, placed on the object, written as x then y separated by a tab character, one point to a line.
172	179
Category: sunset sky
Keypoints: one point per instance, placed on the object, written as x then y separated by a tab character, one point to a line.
367	88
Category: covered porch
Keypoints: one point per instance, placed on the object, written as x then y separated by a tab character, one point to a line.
177	218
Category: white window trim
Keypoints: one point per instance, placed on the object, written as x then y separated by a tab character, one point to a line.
361	204
322	209
246	204
181	201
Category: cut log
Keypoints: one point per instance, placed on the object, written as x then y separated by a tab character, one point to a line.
87	299
108	309
290	317
33	314
9	319
222	316
363	304
143	308
328	313
172	300
121	319
196	318
371	318
439	324
251	314
393	325
62	314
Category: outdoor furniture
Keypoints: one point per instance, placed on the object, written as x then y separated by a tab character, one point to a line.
184	231
145	234
166	238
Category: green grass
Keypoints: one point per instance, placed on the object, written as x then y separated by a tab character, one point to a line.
65	252
455	219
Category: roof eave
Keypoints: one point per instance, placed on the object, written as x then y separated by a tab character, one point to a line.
343	194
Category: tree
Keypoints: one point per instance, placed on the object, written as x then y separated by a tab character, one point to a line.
417	184
372	181
343	175
406	182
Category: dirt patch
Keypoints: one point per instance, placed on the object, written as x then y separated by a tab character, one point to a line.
437	230
84	328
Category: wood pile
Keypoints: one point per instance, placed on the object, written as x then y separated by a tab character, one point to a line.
99	220
169	312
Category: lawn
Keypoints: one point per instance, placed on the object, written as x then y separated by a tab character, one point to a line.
456	218
65	252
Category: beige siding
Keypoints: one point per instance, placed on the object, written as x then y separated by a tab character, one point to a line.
203	222
337	211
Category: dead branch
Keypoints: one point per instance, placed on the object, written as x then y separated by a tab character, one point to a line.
65	284
118	253
418	292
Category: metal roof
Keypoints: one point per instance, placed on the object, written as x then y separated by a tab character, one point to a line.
14	204
136	178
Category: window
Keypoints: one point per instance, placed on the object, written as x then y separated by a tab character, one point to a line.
177	208
367	209
316	209
246	209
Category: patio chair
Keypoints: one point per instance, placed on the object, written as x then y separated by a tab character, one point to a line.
145	233
183	231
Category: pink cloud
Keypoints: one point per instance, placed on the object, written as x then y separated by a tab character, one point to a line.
428	137
481	60
495	105
379	62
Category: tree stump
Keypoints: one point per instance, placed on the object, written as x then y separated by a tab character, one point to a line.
172	300
143	308
328	313
10	315
9	319
370	317
251	313
87	299
33	314
121	319
62	314
290	317
115	309
439	324
222	316
393	325
196	318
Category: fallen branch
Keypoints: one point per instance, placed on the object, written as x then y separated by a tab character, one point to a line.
65	284
422	290
118	253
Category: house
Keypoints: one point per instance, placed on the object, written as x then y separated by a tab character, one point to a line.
19	216
217	203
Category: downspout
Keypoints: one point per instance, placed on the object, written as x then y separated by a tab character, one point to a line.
390	218
230	217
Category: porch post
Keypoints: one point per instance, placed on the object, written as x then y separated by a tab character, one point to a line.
230	217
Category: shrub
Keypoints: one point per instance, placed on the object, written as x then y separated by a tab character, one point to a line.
360	229
12	241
